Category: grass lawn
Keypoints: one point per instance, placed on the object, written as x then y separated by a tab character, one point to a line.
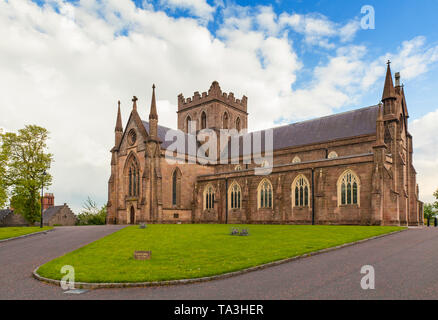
12	232
196	250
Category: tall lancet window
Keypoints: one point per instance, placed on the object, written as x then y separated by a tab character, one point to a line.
188	121
348	189
176	187
238	124
203	120
133	179
130	182
225	124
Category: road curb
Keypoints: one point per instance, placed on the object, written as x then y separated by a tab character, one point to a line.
27	235
87	285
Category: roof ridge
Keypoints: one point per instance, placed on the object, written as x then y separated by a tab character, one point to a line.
293	123
318	118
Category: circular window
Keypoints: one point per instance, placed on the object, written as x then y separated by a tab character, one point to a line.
132	137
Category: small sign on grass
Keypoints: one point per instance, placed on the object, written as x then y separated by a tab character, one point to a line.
142	255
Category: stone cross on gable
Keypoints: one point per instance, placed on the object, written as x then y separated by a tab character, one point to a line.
134	102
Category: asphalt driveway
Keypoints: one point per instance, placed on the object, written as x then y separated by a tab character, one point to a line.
405	267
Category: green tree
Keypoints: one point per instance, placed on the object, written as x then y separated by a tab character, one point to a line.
27	165
435	194
92	214
3	164
429	211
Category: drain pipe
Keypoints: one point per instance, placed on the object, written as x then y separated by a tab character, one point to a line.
313	196
226	200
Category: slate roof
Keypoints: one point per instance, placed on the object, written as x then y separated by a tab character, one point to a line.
338	126
161	132
4	213
51	211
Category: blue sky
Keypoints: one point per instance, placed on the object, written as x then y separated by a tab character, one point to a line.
395	22
294	60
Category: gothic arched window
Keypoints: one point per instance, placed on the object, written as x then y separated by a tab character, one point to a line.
234	196
348	189
300	192
188	120
238	124
176	187
203	120
209	197
264	194
133	179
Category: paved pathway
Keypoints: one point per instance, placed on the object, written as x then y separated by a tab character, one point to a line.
405	267
18	258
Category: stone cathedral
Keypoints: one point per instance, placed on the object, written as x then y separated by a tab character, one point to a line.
349	168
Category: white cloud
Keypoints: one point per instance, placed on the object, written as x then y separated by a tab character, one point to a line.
266	20
198	8
415	57
318	29
348	31
65	71
425	141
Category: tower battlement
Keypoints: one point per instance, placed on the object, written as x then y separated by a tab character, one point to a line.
214	93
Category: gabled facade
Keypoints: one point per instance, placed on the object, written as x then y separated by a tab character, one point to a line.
350	168
59	216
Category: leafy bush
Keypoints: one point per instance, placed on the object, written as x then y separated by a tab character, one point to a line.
91	214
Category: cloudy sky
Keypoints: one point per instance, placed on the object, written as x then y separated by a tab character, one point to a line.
64	65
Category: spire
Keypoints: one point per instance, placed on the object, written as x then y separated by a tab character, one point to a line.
119	127
153	118
153	112
134	103
388	91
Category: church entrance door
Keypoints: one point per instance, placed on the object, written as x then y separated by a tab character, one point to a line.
132	220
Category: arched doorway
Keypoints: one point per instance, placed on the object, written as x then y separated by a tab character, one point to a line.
132	218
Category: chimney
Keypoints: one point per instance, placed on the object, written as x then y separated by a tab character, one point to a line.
48	201
397	79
